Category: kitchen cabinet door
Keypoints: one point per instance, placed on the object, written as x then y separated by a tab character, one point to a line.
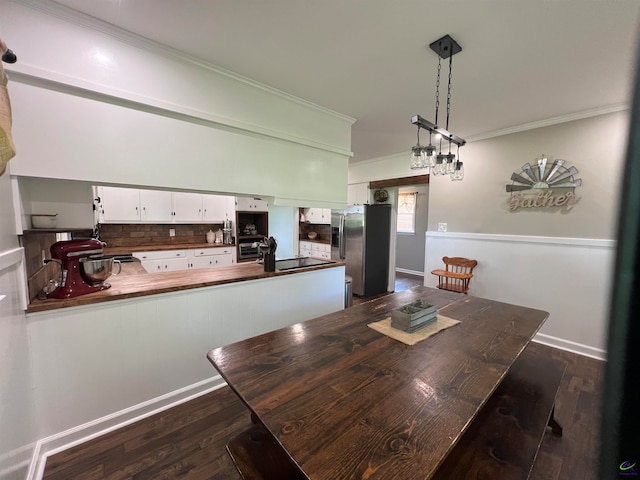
155	206
211	261
358	194
165	265
187	207
251	204
306	249
119	205
173	264
214	208
326	216
153	266
211	257
314	215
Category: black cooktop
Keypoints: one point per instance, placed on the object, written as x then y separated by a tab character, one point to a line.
291	263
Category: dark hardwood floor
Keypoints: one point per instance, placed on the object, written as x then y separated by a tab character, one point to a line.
404	281
188	441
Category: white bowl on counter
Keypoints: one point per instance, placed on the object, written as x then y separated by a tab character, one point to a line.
44	221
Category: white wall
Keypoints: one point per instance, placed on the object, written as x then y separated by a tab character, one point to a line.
568	277
283	226
122	110
98	366
18	430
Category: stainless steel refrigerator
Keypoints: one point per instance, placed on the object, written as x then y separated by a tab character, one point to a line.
360	237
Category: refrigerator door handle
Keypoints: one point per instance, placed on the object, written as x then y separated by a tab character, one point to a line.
341	242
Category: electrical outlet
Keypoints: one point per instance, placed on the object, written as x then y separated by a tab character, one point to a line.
172	232
442	227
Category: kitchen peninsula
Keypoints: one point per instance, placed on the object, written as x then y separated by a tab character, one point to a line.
141	345
142	284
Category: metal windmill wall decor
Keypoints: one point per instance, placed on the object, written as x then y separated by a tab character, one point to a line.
535	186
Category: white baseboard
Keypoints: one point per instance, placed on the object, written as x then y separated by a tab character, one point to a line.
74	436
570	346
410	272
14	464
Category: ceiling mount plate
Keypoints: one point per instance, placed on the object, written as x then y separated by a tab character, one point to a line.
445	47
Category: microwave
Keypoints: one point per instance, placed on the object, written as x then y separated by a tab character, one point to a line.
248	250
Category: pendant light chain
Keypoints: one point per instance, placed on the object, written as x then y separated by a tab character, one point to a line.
449	91
438	88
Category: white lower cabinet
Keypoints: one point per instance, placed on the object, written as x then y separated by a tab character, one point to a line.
321	250
172	260
211	257
305	249
163	260
314	249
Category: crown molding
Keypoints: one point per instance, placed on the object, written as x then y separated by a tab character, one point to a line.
515	129
62	12
549	122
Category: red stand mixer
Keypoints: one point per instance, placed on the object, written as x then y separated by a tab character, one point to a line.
78	278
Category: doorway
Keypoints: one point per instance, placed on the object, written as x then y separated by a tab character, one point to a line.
412	209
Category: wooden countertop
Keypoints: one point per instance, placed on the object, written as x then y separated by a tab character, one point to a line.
174	246
132	283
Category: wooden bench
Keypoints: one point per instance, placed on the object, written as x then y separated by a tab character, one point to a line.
503	440
257	456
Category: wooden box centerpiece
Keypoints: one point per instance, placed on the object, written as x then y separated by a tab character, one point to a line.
413	316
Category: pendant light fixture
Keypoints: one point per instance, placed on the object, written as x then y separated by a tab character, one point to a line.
425	157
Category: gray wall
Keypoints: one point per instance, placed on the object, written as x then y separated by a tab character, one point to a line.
478	204
410	248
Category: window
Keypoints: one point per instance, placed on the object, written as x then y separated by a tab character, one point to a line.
407	212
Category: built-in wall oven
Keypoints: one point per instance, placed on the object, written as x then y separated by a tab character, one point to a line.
248	251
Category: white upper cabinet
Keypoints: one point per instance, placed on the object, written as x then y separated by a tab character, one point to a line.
318	215
187	207
118	205
155	206
358	193
131	205
217	208
251	204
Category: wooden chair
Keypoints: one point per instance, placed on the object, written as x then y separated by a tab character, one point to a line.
457	274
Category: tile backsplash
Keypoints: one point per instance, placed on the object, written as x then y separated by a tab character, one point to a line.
36	249
134	235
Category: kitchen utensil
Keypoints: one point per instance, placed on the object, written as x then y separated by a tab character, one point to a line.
73	281
97	269
44	221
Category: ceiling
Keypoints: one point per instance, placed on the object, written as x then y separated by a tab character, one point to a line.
522	61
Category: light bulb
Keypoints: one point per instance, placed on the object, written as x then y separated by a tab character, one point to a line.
451	163
436	168
415	160
441	162
430	152
458	173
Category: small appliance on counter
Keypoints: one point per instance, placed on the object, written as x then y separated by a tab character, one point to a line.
84	269
227	232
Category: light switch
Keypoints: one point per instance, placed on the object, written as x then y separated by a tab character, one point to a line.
442	227
172	232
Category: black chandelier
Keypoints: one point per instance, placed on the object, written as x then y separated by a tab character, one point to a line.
426	157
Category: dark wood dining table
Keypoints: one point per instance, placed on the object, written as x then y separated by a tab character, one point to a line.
347	402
